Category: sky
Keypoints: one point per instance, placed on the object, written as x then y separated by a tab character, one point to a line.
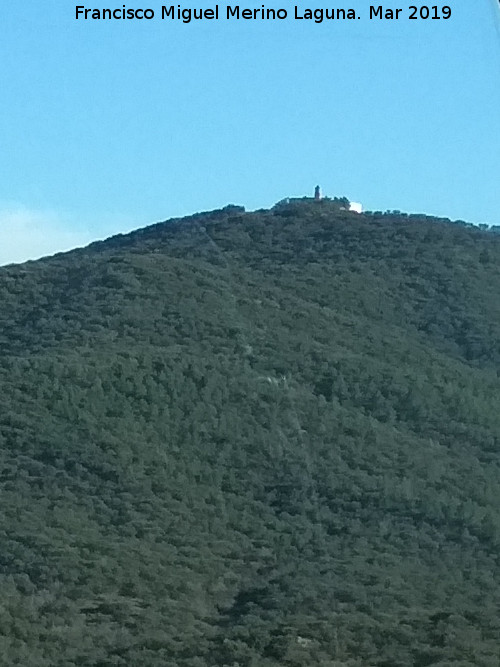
108	126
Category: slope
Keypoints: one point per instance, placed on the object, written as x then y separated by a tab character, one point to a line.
265	438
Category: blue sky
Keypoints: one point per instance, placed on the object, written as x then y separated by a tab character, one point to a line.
106	126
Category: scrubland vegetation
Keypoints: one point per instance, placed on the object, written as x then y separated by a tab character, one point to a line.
253	440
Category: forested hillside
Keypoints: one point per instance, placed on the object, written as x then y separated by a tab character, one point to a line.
254	440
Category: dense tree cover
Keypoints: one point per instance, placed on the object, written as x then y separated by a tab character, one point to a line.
253	439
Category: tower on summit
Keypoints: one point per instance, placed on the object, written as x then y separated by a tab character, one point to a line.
317	193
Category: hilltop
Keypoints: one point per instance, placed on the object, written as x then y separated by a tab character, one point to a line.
254	439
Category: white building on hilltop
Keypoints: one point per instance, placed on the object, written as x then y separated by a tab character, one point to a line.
356	207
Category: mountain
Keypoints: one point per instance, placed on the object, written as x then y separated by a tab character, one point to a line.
254	439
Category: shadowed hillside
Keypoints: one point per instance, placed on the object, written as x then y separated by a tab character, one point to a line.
251	440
